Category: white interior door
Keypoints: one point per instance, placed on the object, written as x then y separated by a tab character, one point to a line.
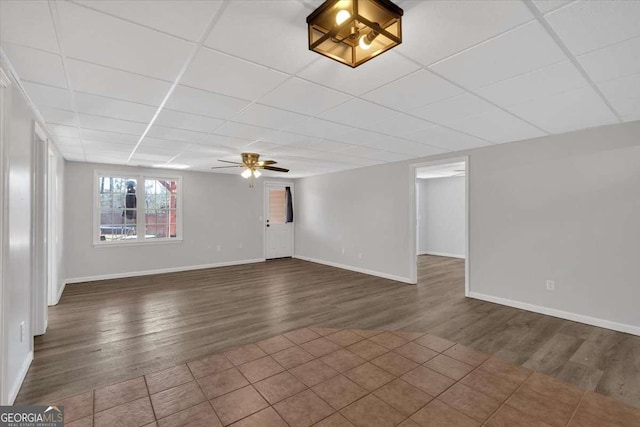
278	232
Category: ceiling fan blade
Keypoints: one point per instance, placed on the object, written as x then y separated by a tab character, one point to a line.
267	162
273	168
225	167
227	161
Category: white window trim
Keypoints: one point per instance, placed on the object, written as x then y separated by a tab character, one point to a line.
141	224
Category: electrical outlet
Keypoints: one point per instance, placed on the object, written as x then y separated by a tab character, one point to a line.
22	331
551	285
219	248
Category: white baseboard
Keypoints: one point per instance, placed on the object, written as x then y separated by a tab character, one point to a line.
160	271
358	269
442	254
15	388
594	321
60	293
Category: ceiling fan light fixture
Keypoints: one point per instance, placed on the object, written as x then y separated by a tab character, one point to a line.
257	173
246	173
354	31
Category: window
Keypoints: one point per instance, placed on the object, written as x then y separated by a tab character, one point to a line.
129	204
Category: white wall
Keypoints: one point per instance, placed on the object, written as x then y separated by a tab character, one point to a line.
16	168
441	216
363	211
218	209
560	207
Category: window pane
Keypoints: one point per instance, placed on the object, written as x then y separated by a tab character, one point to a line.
160	198
117	204
277	206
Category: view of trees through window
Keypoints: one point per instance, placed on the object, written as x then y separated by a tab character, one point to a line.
122	203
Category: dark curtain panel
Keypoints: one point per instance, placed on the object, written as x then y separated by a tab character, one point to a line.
287	191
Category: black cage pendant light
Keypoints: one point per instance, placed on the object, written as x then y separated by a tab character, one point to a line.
354	31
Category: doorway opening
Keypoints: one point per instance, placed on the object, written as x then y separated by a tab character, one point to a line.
440	224
278	217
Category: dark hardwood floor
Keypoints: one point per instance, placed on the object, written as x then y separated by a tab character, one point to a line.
104	332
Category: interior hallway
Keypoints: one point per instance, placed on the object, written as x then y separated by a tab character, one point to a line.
105	332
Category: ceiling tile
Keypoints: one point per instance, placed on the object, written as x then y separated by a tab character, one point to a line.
220	142
93	146
413	91
624	95
518	51
27	23
180	120
498	126
540	83
48	96
175	134
357	113
186	19
243	131
106	136
165	144
434	30
546	6
301	96
618	60
356	81
447	139
585	26
91	78
95	37
36	65
398	124
226	75
63	130
114	108
89	121
261	115
318	128
453	109
374	154
205	103
567	111
61	117
272	33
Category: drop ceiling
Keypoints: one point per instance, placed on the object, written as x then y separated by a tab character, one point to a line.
183	83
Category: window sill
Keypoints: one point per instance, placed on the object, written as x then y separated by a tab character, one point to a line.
120	244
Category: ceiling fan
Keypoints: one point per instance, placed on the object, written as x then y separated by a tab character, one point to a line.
252	163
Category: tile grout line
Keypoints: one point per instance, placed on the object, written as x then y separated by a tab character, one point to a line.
509	397
573	414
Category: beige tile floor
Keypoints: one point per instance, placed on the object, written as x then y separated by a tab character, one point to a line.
333	378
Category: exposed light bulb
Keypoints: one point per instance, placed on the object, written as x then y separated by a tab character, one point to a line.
342	16
367	39
246	173
257	173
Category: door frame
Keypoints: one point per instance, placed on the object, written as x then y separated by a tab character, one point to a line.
5	82
413	216
39	232
265	211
